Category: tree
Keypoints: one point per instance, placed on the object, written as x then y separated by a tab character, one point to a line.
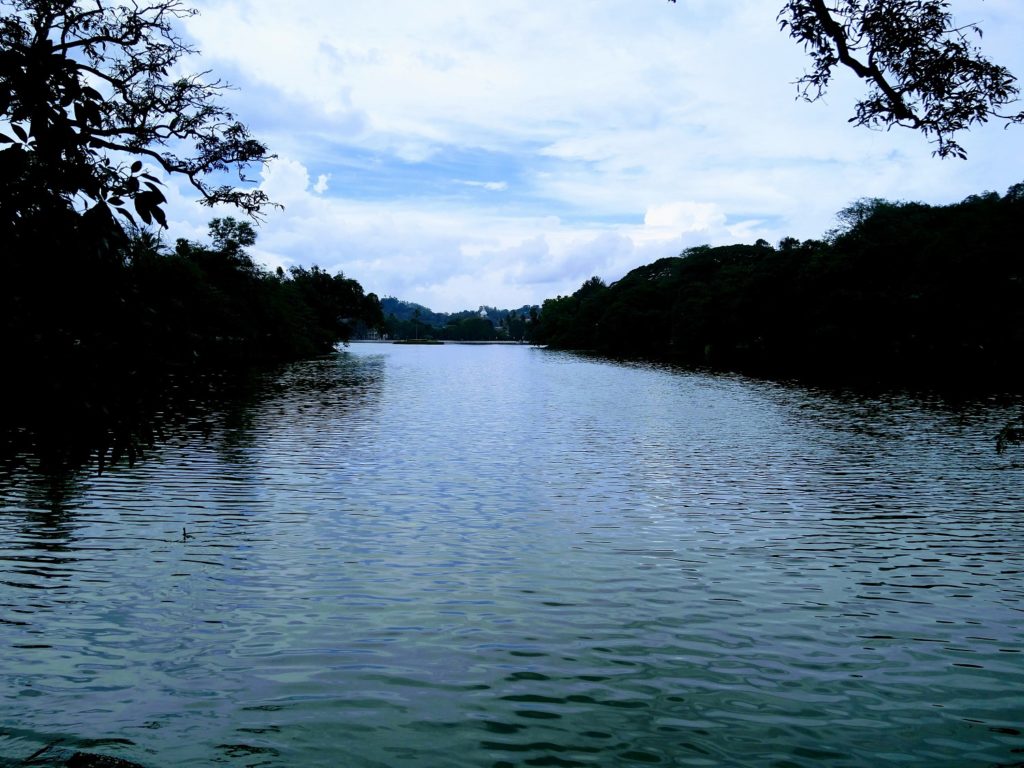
87	95
335	304
231	237
856	213
922	70
901	292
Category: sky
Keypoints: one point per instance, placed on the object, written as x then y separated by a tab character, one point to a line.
459	153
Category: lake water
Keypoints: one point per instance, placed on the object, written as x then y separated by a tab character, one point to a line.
506	556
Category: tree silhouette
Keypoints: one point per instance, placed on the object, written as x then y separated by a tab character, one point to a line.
898	292
922	70
87	92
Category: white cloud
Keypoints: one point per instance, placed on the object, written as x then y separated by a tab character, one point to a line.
684	216
615	134
285	181
492	186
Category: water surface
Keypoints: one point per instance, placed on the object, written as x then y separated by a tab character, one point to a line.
504	556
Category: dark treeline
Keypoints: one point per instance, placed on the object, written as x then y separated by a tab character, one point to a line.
98	319
98	316
408	320
223	308
899	291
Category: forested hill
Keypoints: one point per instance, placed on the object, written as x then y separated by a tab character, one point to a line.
897	291
406	310
406	320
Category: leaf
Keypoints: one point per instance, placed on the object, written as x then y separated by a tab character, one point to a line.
148	206
126	214
158	196
136	166
6	139
20	132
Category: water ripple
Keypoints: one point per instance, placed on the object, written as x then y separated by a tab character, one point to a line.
498	556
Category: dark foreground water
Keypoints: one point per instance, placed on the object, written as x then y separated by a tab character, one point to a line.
502	556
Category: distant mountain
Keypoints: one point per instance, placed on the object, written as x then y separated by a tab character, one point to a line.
405	311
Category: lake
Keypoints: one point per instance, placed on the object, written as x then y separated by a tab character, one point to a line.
507	556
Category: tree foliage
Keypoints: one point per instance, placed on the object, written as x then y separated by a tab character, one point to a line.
408	320
214	305
89	93
897	291
922	69
97	313
104	351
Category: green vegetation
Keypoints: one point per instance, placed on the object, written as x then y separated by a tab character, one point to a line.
97	314
225	309
900	291
100	323
407	320
87	87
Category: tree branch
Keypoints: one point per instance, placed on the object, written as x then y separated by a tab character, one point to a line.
870	71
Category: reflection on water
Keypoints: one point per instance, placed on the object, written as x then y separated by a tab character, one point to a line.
498	556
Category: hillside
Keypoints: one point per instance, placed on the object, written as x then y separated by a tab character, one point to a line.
408	320
897	291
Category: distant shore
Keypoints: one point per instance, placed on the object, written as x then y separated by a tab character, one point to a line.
441	341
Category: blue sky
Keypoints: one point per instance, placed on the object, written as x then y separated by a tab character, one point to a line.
458	153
